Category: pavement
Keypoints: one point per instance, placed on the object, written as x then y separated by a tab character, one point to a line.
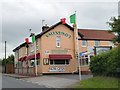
52	81
14	83
16	76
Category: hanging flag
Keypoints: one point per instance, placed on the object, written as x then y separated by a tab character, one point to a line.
26	40
63	20
33	38
30	39
73	19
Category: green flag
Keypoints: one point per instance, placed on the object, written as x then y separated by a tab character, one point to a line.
73	19
33	38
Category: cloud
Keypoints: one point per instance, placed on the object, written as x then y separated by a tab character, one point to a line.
18	16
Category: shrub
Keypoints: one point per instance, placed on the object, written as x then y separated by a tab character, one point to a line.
106	63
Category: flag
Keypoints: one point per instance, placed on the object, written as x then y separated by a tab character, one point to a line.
33	38
30	39
73	19
63	20
26	40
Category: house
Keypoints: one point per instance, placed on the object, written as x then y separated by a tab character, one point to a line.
55	50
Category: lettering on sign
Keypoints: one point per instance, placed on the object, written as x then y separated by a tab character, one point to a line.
58	33
56	69
59	51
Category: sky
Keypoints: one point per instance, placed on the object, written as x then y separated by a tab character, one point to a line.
18	16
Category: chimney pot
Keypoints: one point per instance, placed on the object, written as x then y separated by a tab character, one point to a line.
44	28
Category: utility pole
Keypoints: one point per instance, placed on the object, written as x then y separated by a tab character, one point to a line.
5	56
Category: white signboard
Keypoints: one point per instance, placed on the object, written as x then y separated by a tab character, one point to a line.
47	52
56	69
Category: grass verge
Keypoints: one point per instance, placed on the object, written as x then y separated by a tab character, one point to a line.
98	82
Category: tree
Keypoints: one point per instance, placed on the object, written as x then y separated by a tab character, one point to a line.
0	61
9	60
114	24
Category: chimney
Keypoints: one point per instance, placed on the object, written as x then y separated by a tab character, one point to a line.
44	28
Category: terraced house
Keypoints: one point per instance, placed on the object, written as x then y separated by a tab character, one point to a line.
55	50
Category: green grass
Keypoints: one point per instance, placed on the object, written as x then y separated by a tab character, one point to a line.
98	82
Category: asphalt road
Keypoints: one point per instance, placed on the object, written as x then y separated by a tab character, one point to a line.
9	82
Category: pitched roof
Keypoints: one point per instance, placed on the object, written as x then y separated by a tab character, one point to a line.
90	34
21	45
84	33
52	27
43	32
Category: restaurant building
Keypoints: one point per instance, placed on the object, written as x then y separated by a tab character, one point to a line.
55	50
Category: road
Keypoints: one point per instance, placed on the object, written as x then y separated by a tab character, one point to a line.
57	81
9	82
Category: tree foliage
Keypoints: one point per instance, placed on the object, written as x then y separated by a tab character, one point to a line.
114	24
9	60
106	63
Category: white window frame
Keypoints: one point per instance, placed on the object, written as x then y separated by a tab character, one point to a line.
46	61
85	43
111	43
25	50
31	62
98	43
20	52
58	39
60	64
37	48
31	48
34	62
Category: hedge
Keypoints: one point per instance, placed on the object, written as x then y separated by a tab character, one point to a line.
107	63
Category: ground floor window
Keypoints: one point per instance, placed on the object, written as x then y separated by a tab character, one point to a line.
19	64
32	62
85	60
46	61
59	62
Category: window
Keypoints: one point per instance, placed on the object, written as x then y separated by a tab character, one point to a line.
38	61
19	64
26	51
20	52
59	62
111	43
58	41
32	48
84	43
97	43
45	61
85	60
37	44
32	62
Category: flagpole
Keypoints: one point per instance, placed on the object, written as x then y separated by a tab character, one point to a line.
77	46
35	59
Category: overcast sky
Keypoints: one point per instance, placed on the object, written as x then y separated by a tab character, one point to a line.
18	16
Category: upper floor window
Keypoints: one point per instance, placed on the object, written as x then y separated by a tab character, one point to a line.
58	41
26	50
84	43
20	52
97	42
32	47
37	44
